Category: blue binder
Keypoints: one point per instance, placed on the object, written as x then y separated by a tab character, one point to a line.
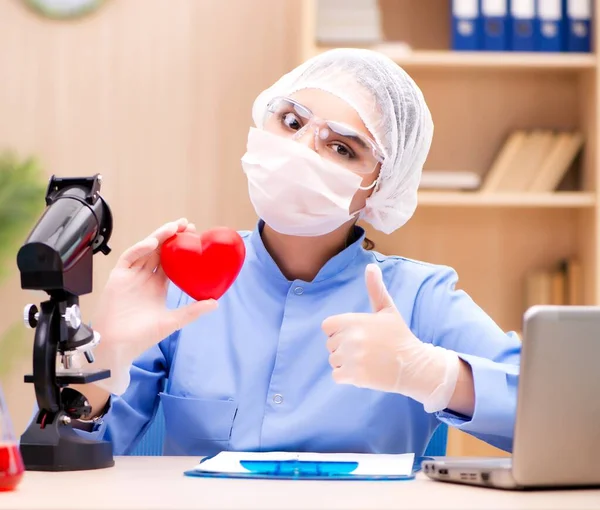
550	25
578	25
523	19
496	24
466	25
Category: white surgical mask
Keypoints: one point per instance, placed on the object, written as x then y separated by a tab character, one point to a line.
293	189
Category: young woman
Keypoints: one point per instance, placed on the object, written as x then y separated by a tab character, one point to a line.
321	344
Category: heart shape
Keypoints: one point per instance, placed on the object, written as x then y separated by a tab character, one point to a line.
203	265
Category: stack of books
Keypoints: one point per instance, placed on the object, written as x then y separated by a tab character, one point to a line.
533	161
560	285
449	180
348	22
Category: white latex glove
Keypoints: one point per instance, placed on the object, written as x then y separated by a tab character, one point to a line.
132	315
379	351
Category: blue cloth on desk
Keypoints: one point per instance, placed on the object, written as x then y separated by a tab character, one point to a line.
254	375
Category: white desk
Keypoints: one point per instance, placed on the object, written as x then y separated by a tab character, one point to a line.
158	482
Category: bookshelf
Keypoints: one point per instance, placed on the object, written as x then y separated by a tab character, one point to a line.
500	60
564	199
495	240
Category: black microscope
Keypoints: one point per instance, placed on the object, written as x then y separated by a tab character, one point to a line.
57	258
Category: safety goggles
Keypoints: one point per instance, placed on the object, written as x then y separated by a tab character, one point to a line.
334	141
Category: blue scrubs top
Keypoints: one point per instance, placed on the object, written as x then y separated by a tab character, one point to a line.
254	375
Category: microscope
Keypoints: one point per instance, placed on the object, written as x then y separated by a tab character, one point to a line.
57	258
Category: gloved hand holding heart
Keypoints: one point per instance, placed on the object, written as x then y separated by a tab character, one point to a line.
203	265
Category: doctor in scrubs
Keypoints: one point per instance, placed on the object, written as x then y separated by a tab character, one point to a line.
322	344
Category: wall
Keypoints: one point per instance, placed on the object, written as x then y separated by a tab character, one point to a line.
153	94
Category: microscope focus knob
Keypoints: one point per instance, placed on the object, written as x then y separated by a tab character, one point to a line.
31	316
73	317
89	356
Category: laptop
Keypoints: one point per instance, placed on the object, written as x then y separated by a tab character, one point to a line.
557	426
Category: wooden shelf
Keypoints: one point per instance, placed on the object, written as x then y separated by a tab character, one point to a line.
475	199
495	60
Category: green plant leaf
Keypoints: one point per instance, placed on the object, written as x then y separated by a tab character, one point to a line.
13	347
22	192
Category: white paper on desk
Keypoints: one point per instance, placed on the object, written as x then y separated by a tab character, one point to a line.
368	463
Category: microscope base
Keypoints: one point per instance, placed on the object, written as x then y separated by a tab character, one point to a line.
57	447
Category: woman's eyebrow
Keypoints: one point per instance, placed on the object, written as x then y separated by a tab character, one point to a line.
358	140
301	109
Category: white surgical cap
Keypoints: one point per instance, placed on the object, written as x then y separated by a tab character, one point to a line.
392	108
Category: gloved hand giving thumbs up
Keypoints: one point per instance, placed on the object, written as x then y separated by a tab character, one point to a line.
379	351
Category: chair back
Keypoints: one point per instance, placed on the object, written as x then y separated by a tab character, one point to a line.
151	443
438	443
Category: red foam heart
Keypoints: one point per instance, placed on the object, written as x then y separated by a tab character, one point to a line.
203	265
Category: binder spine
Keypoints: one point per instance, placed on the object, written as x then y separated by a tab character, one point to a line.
523	29
466	25
495	25
578	29
551	25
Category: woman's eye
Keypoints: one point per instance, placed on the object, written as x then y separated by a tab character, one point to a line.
291	121
342	150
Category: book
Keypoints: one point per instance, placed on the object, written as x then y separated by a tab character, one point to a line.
538	288
348	21
449	180
558	292
557	162
528	161
504	160
574	282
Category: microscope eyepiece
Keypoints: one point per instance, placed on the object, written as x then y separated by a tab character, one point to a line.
57	255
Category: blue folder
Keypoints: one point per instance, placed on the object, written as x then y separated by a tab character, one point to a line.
523	25
550	25
466	25
578	25
304	470
496	25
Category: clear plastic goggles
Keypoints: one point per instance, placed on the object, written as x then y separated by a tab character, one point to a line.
334	141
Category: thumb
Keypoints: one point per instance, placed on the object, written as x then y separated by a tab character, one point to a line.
180	317
380	299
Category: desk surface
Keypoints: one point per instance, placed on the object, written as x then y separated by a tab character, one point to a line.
158	482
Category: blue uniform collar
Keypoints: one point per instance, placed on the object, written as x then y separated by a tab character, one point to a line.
332	267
